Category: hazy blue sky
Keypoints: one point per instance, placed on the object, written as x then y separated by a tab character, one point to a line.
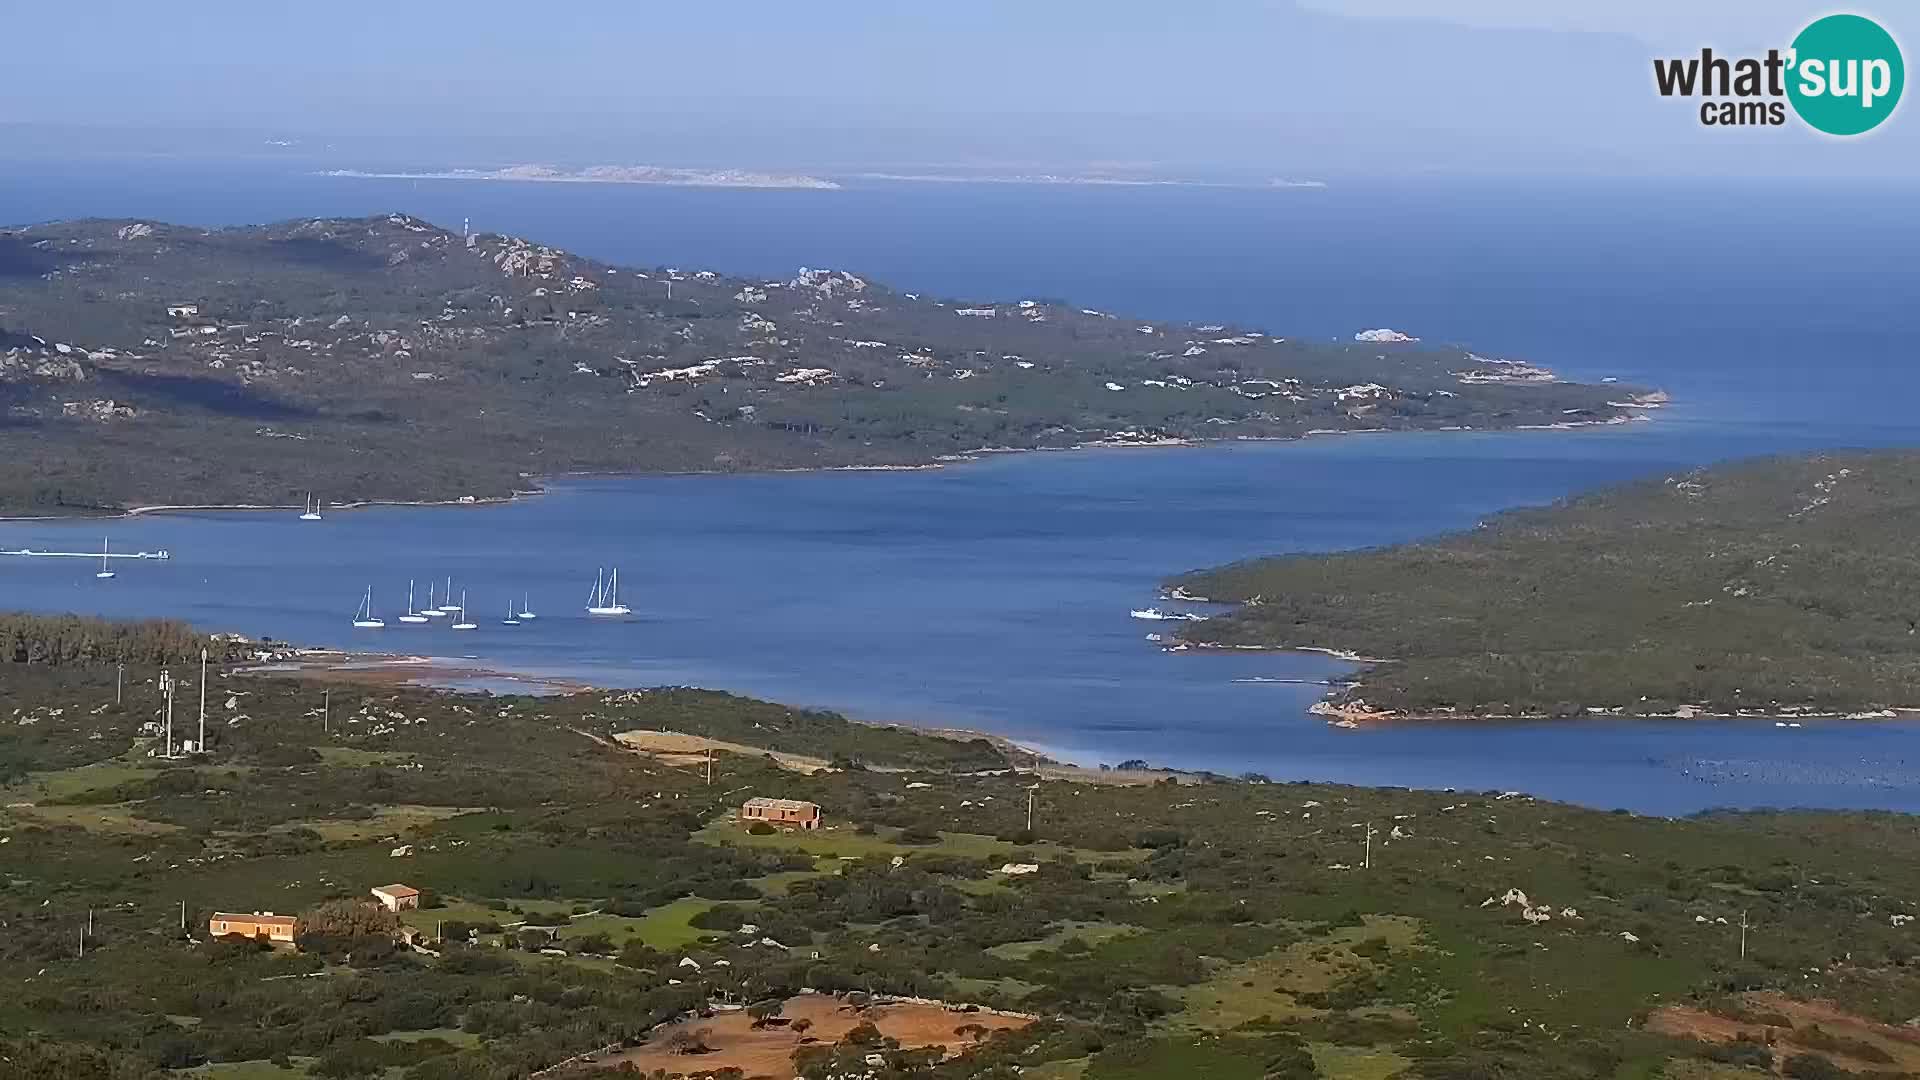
1307	88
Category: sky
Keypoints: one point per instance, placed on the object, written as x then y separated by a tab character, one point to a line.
1272	88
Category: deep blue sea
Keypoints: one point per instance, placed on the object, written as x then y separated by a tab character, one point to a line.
995	595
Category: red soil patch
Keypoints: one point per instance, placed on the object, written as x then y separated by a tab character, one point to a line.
769	1051
1901	1043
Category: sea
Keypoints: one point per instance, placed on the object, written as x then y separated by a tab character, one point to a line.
995	595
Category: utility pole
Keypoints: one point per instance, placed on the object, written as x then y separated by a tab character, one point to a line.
83	944
326	711
202	744
1030	794
709	766
183	916
1368	864
1743	933
119	683
166	687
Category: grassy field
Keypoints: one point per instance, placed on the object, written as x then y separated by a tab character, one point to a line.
843	842
1358	1063
1092	933
1270	985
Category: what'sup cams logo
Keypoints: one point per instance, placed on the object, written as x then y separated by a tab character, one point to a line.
1842	75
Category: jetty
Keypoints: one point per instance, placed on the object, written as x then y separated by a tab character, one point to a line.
32	554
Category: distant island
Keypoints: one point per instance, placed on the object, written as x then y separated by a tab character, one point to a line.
1080	179
608	174
387	358
743	178
1784	587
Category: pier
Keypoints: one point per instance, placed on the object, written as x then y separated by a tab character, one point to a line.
32	554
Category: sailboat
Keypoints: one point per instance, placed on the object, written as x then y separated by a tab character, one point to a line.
446	606
312	509
606	596
105	570
526	608
431	611
466	621
511	619
411	616
363	615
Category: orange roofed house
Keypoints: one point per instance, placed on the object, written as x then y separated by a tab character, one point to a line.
277	929
786	813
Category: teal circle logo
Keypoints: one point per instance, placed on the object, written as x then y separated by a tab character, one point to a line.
1845	74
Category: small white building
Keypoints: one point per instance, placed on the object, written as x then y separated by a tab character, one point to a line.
397	898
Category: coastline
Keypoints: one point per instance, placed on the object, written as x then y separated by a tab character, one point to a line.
1652	400
440	674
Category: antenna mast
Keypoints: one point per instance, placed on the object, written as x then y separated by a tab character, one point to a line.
202	744
166	687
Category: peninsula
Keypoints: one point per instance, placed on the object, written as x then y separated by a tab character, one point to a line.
1777	587
387	358
365	882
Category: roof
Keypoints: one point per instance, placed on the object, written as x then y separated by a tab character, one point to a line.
266	918
782	804
397	890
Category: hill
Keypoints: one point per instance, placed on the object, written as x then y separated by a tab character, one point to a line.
1764	587
580	897
387	358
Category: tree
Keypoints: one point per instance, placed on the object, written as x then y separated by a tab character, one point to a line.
690	1041
863	1034
764	1011
347	919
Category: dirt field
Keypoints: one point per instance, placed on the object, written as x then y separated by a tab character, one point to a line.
673	748
1811	1023
769	1052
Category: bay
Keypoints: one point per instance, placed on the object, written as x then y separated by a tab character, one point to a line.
994	595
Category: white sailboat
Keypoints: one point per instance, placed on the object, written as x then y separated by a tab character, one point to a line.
363	615
312	509
446	606
526	608
511	619
606	596
412	616
466	621
105	570
431	611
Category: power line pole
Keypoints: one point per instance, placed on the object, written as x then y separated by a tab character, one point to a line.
119	683
709	766
1030	794
166	687
1368	864
326	711
202	744
1743	933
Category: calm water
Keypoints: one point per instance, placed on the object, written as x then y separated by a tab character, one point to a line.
995	595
